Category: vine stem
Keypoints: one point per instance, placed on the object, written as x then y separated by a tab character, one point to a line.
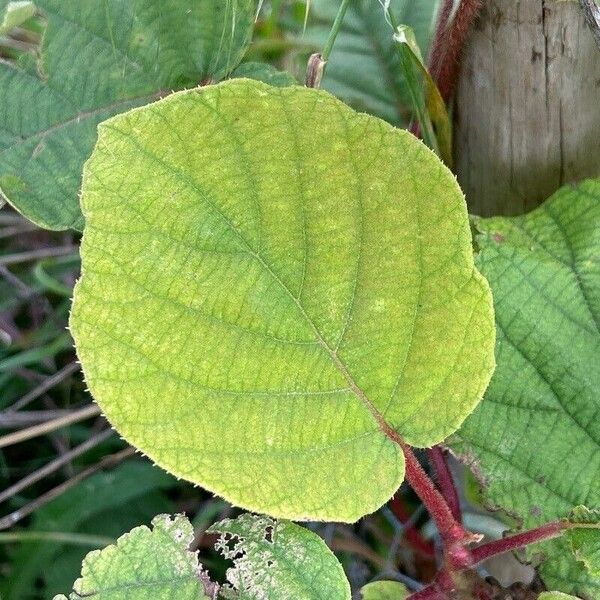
335	29
454	24
318	61
444	583
444	480
454	536
519	540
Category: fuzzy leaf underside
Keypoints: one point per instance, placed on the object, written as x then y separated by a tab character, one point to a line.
279	560
292	280
535	439
364	68
144	564
98	59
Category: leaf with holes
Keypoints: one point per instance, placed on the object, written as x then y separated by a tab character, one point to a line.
145	564
278	560
98	59
544	399
364	68
585	540
279	302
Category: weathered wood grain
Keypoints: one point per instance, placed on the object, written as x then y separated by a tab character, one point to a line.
527	110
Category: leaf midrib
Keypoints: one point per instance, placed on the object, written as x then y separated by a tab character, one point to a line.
385	428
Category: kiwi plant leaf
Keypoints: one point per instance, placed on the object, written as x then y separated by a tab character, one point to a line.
144	564
585	540
97	59
275	288
278	560
535	439
364	67
556	596
384	590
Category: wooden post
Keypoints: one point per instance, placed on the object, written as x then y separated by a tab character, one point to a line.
527	107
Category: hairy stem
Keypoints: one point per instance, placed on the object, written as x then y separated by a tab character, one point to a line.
454	24
444	480
519	540
454	536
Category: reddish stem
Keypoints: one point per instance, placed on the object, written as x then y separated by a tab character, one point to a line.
514	542
411	533
450	36
454	536
444	480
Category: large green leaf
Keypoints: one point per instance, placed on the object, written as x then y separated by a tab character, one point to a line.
535	439
98	59
274	287
144	564
364	68
279	560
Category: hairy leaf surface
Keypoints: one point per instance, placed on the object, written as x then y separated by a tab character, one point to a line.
144	564
98	59
274	288
535	439
279	560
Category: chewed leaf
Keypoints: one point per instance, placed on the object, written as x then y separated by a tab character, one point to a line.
535	439
98	59
585	540
384	590
290	291
279	560
145	564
